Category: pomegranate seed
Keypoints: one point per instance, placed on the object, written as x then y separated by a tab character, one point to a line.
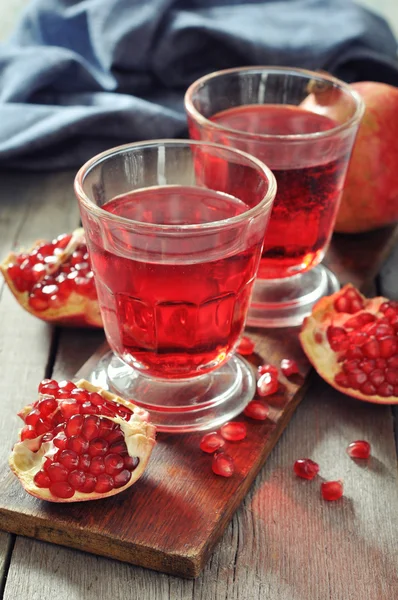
42	480
115	436
89	409
354	352
385	390
98	447
388	346
77	479
118	448
42	426
47	437
211	442
367	365
256	410
91	428
391	377
106	426
104	483
130	462
245	346
68	458
371	349
332	490
267	368
66	386
32	417
84	462
74	425
97	465
122	478
356	379
28	433
342	380
69	408
60	440
96	399
223	464
78	444
376	377
234	431
46	406
306	468
114	464
80	395
48	386
289	367
62	489
368	389
359	449
123	412
267	385
89	484
57	472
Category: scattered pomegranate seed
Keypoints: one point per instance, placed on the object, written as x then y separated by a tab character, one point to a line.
267	385
359	449
211	442
234	431
223	464
306	468
245	346
332	490
256	410
289	367
267	368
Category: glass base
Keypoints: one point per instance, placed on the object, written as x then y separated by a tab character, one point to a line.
286	302
185	405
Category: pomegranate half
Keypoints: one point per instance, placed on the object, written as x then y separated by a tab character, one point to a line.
54	281
80	442
352	342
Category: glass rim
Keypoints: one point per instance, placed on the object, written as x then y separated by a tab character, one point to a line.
199	227
199	118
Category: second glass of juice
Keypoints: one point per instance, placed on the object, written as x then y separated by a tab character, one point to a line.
302	125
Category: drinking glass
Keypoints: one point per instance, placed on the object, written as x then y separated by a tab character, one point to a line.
301	124
175	242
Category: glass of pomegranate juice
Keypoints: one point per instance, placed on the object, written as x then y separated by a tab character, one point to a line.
302	125
175	249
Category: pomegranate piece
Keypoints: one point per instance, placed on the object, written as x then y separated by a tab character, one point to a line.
306	468
289	367
49	283
233	431
267	385
256	410
332	490
352	342
359	449
84	456
211	442
223	464
245	346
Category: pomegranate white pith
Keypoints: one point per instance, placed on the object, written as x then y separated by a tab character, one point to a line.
106	444
352	342
54	281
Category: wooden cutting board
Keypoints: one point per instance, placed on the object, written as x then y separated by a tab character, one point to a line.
172	518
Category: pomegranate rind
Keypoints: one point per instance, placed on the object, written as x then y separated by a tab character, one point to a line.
314	342
78	311
139	435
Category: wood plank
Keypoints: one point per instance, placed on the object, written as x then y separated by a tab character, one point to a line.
157	537
32	206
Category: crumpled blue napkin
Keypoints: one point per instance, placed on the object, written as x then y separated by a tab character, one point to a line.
81	76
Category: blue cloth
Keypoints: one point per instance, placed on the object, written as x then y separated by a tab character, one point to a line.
78	77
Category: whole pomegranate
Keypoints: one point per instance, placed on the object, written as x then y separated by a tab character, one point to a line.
370	196
54	281
352	342
80	442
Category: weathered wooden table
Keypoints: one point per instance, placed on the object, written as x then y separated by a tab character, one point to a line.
283	543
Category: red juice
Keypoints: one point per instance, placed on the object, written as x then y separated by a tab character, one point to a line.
176	314
309	186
